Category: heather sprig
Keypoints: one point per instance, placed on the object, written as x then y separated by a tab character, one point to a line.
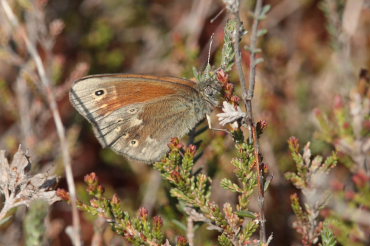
310	179
236	226
308	168
21	188
347	129
138	230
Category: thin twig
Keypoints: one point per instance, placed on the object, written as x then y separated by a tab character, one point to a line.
190	231
56	116
23	96
250	94
150	195
238	57
247	98
253	48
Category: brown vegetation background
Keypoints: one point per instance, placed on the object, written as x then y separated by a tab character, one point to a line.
312	52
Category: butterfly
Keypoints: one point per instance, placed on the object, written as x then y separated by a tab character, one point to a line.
137	115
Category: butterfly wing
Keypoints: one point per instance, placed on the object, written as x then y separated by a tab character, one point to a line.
137	115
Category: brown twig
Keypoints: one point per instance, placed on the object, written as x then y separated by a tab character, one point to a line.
253	48
150	195
45	81
190	231
238	58
248	97
23	96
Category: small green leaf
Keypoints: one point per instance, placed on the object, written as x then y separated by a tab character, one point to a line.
246	213
261	32
259	60
179	224
327	236
265	9
5	220
267	183
224	240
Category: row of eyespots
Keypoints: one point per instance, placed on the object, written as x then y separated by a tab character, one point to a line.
125	135
133	142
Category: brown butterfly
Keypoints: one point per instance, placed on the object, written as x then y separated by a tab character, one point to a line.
137	115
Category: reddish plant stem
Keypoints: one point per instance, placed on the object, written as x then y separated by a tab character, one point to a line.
247	98
250	93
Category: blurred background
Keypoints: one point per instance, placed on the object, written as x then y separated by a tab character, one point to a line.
313	51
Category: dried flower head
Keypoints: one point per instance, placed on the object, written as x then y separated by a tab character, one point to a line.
19	187
231	114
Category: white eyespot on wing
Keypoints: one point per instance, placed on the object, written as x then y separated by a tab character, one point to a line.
132	110
99	94
125	135
150	140
134	143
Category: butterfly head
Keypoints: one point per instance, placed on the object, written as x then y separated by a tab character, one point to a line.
210	91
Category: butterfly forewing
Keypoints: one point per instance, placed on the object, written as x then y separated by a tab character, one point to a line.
137	115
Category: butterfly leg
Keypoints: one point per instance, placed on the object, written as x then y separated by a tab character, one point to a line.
215	129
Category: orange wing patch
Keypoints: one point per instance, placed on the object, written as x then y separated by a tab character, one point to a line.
122	94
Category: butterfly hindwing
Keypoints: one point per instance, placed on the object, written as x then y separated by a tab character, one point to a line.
137	117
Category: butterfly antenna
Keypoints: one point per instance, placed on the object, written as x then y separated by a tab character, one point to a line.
217	15
210	48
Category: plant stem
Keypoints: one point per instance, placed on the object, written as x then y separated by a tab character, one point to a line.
45	81
190	231
247	98
250	94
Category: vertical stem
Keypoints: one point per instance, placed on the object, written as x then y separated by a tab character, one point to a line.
247	98
261	181
238	57
250	94
190	231
253	47
45	81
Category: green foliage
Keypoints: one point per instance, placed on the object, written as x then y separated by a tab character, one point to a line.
138	230
228	52
347	233
227	60
310	170
307	167
224	240
346	128
101	35
327	236
193	191
244	170
34	223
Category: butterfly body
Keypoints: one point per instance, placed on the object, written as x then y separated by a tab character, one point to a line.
137	115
